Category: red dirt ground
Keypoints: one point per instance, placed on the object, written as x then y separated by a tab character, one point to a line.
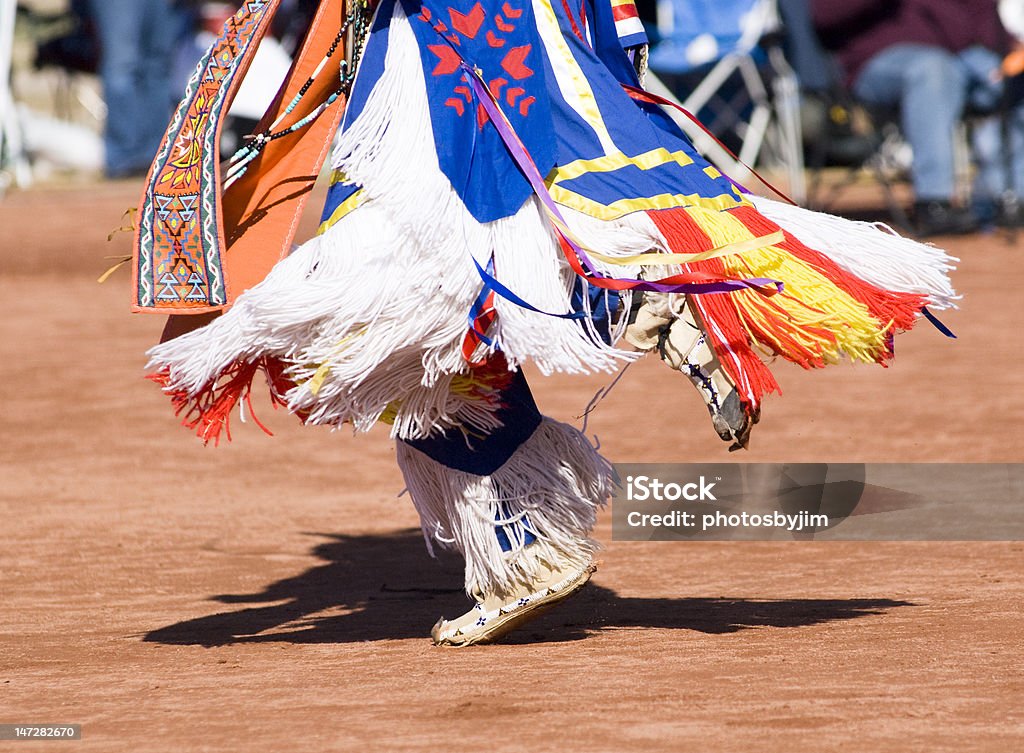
272	595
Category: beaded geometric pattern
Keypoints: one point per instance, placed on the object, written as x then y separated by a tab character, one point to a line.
179	264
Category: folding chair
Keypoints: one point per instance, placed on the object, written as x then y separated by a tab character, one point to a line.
886	164
746	87
67	48
33	141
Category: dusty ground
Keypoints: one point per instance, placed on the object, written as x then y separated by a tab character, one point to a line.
271	595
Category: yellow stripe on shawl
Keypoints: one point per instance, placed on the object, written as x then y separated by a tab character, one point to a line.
815	312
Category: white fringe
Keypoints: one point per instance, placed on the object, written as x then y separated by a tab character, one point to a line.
556	480
389	150
528	259
865	249
388	339
382	297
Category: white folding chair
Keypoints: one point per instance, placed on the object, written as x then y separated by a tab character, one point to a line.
737	42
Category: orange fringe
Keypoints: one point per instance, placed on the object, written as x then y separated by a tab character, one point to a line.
902	309
208	412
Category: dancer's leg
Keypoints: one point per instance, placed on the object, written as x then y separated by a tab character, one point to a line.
518	504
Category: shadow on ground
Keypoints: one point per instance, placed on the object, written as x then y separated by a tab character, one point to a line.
379	587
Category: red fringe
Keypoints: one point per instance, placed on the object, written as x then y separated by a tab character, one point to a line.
208	412
792	349
494	377
902	309
718	314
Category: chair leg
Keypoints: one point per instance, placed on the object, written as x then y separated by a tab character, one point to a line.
962	163
11	146
787	119
896	210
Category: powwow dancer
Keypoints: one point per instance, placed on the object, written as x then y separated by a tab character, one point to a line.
504	191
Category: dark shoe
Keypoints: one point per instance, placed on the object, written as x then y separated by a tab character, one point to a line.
942	218
1007	212
834	132
1010	215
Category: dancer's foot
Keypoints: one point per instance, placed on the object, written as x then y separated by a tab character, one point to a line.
671	327
494	616
732	422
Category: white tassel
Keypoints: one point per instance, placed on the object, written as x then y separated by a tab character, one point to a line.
370	316
556	481
865	249
527	260
394	160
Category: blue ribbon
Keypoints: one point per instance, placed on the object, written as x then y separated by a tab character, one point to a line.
491	283
936	323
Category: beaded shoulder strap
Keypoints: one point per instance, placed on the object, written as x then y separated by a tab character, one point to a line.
203	237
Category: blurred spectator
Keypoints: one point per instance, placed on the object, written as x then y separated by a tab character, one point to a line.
828	119
293	21
931	58
75	49
205	22
202	23
137	40
811	64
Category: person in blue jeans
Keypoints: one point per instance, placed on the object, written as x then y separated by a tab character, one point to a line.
932	59
137	40
998	153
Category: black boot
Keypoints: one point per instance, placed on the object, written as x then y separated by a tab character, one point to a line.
942	218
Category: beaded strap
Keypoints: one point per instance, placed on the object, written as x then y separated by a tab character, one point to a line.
190	218
357	21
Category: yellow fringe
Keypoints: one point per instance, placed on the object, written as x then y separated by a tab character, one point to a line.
127	223
316	382
467	386
121	261
810	300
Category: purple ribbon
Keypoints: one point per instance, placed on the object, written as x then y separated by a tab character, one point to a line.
522	158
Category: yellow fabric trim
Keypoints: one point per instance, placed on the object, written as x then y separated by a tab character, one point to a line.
617	209
712	172
612	162
390	413
344	208
810	301
650	260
